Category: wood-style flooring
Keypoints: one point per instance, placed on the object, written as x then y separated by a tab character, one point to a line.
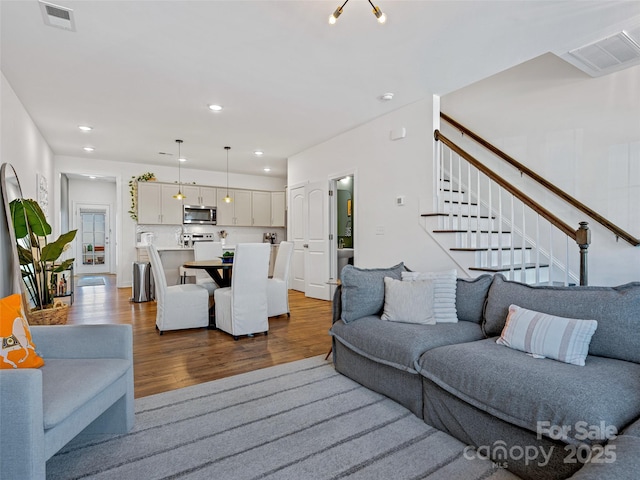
186	357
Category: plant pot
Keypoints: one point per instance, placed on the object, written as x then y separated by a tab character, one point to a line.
57	315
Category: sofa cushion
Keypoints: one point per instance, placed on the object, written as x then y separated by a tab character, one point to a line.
400	345
543	335
444	293
363	290
616	309
68	384
521	390
471	295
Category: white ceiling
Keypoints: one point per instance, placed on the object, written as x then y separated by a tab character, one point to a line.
143	72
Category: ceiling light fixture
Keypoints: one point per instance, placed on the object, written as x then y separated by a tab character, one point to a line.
179	195
376	11
215	108
258	153
85	128
227	199
266	169
385	97
88	149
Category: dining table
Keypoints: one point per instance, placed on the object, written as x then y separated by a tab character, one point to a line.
218	270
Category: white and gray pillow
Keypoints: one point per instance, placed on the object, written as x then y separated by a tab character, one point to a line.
548	336
444	293
408	302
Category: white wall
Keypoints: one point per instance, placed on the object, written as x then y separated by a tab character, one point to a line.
125	227
384	169
580	133
21	145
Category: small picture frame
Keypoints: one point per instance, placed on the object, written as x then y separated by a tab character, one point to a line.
349	207
42	188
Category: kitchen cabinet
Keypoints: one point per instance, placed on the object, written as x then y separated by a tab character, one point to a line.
278	207
198	195
156	204
261	208
236	213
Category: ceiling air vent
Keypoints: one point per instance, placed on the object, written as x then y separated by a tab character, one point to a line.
608	55
57	16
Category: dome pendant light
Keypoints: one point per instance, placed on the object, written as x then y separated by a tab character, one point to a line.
227	199
179	195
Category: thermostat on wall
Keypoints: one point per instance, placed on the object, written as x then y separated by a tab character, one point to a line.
400	200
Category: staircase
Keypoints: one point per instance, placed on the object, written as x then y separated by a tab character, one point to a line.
478	241
487	225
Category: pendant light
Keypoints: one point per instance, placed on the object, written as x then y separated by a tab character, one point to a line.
376	11
179	195
227	199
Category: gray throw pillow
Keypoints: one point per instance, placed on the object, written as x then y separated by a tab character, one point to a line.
408	302
363	290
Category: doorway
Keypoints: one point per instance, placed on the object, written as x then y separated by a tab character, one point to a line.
342	223
92	239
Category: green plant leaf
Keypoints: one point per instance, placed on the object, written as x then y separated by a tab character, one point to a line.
64	266
53	250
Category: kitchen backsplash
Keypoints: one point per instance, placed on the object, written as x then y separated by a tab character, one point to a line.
169	235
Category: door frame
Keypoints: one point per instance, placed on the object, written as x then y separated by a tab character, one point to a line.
333	223
110	251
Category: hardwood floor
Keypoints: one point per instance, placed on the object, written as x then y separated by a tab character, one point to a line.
186	357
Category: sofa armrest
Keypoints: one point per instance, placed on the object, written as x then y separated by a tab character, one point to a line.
21	422
83	341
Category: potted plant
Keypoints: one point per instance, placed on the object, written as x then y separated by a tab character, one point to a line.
227	257
133	190
38	260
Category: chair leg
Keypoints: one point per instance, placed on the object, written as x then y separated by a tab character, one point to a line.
330	350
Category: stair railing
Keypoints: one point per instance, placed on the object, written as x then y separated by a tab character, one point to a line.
617	231
475	192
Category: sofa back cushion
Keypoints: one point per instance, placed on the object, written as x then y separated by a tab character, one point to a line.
471	294
363	290
616	309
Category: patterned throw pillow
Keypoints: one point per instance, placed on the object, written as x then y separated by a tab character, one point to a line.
444	293
16	348
548	336
408	302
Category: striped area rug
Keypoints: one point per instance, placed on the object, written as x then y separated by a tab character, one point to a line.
296	421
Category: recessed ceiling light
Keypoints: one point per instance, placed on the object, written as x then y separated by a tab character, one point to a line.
215	108
385	97
85	128
92	177
267	169
258	153
89	149
182	159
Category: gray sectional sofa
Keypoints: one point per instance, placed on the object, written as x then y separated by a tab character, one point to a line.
539	418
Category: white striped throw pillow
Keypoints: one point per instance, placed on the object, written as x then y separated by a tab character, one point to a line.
444	293
547	336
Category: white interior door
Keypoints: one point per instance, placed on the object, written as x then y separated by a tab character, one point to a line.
317	244
297	204
92	240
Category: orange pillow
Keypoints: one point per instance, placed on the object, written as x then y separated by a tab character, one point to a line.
16	348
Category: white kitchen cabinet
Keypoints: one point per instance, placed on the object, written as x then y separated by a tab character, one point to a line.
278	207
156	204
198	195
238	212
261	208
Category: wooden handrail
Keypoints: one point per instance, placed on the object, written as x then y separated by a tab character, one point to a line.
617	231
564	227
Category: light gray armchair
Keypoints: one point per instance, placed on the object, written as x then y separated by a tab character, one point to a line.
86	385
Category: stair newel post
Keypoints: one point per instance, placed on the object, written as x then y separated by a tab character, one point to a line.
583	239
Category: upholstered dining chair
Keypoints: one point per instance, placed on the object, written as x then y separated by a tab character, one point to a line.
178	306
242	308
278	285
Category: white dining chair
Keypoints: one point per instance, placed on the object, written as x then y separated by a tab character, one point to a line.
178	306
241	309
278	285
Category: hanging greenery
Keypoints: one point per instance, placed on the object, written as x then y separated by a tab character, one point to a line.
133	190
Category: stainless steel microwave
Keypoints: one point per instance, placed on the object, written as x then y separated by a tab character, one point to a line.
199	214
